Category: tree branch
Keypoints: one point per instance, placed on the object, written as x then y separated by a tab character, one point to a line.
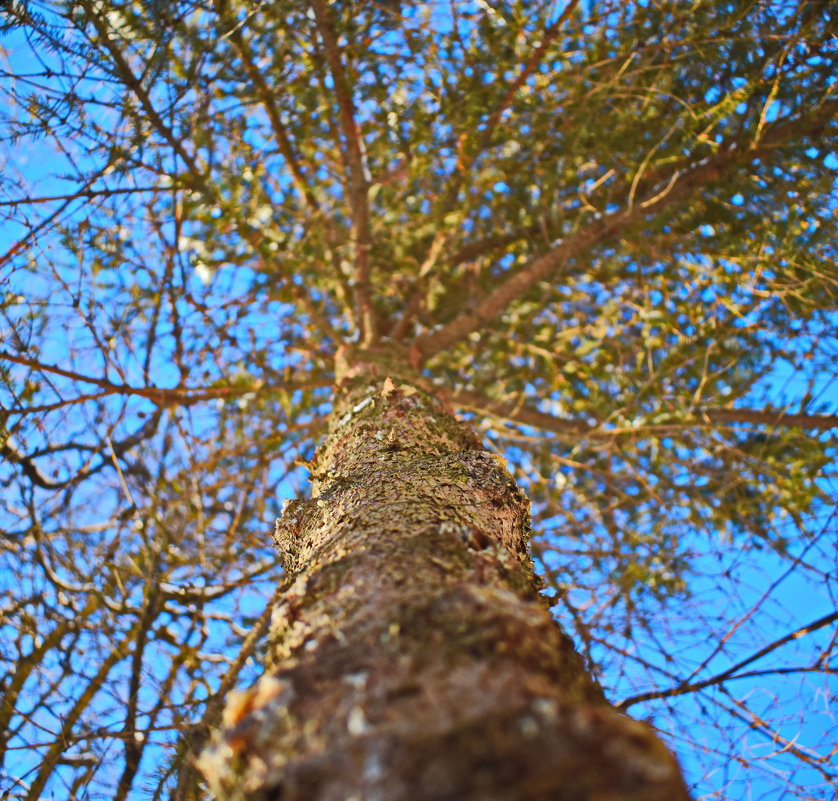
300	180
358	184
669	189
85	193
702	417
177	396
135	85
466	160
68	721
770	417
30	469
730	673
21	243
193	741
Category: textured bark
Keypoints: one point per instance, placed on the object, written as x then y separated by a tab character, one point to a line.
413	657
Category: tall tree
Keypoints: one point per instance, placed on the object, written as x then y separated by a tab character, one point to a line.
603	234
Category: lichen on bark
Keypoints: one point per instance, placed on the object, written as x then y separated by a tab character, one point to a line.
412	656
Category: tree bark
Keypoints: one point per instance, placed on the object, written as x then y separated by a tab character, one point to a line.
413	657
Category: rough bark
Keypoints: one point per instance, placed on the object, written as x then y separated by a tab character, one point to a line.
413	657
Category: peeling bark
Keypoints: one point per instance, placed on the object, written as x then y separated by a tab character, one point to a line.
413	657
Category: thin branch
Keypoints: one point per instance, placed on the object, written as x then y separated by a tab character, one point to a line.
731	672
465	161
51	407
699	418
85	193
533	61
69	720
177	396
29	468
133	746
754	607
194	740
357	178
140	92
199	177
22	243
755	722
28	663
518	413
770	417
302	183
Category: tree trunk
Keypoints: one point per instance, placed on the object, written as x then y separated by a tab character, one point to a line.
413	657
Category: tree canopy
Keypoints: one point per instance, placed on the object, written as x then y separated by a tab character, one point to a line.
606	231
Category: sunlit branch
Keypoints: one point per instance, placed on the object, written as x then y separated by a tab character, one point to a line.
470	252
474	250
29	468
133	746
467	157
770	417
30	662
199	177
698	418
135	85
86	193
357	177
467	154
18	246
518	413
547	39
754	721
69	720
672	187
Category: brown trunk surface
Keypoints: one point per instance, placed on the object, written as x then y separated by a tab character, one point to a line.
413	657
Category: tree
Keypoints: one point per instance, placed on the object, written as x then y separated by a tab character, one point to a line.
603	234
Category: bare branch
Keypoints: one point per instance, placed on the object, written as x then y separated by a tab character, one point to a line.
770	417
302	183
196	738
135	85
176	396
53	753
84	192
731	672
